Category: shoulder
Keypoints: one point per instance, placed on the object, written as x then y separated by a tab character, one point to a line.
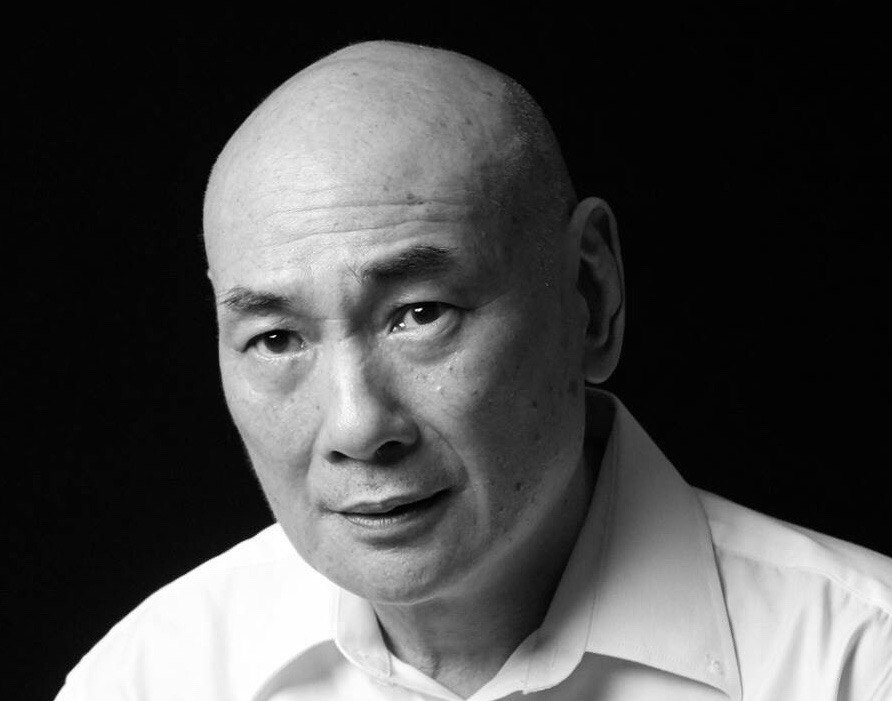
816	608
212	632
744	533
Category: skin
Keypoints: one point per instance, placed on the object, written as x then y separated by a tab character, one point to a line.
354	377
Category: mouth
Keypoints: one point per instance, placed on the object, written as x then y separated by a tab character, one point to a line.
394	512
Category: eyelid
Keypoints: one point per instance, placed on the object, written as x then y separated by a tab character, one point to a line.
405	309
253	342
260	326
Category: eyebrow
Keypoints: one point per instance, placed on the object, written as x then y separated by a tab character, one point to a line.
244	301
418	262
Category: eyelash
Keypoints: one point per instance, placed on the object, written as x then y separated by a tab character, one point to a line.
407	309
397	320
266	335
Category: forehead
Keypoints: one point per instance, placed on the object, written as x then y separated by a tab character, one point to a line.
324	207
324	240
353	134
326	167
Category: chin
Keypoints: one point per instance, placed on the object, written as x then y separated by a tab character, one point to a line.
394	577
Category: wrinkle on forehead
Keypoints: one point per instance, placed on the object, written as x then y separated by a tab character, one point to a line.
359	217
376	124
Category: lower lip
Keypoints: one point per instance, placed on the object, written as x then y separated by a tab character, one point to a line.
402	521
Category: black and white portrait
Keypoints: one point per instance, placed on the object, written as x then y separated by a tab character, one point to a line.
419	353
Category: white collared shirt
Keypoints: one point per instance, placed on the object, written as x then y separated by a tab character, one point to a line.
670	593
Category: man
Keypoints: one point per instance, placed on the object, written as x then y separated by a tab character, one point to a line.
411	301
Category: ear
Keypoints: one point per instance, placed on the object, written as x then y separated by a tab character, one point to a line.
600	283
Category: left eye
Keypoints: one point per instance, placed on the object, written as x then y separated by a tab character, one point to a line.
417	315
277	343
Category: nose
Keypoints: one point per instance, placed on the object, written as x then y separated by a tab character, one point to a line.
363	419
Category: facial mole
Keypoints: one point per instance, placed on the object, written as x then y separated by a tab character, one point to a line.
411	197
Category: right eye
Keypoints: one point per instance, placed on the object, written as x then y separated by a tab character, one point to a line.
277	342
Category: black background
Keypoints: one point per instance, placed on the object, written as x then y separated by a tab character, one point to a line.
745	155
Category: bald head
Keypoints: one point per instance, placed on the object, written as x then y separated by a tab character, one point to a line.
393	323
396	122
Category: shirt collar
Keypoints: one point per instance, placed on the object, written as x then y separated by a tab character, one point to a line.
655	596
641	584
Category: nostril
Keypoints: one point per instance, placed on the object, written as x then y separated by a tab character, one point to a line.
335	457
387	454
390	452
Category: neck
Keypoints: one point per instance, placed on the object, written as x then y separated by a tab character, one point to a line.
462	641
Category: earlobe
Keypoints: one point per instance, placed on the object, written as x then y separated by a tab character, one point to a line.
600	283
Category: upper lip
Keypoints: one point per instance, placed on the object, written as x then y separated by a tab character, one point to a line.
382	506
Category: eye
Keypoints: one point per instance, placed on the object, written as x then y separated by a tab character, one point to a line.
423	314
277	342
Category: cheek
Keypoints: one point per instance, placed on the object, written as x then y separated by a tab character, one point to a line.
275	429
526	373
275	436
506	399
